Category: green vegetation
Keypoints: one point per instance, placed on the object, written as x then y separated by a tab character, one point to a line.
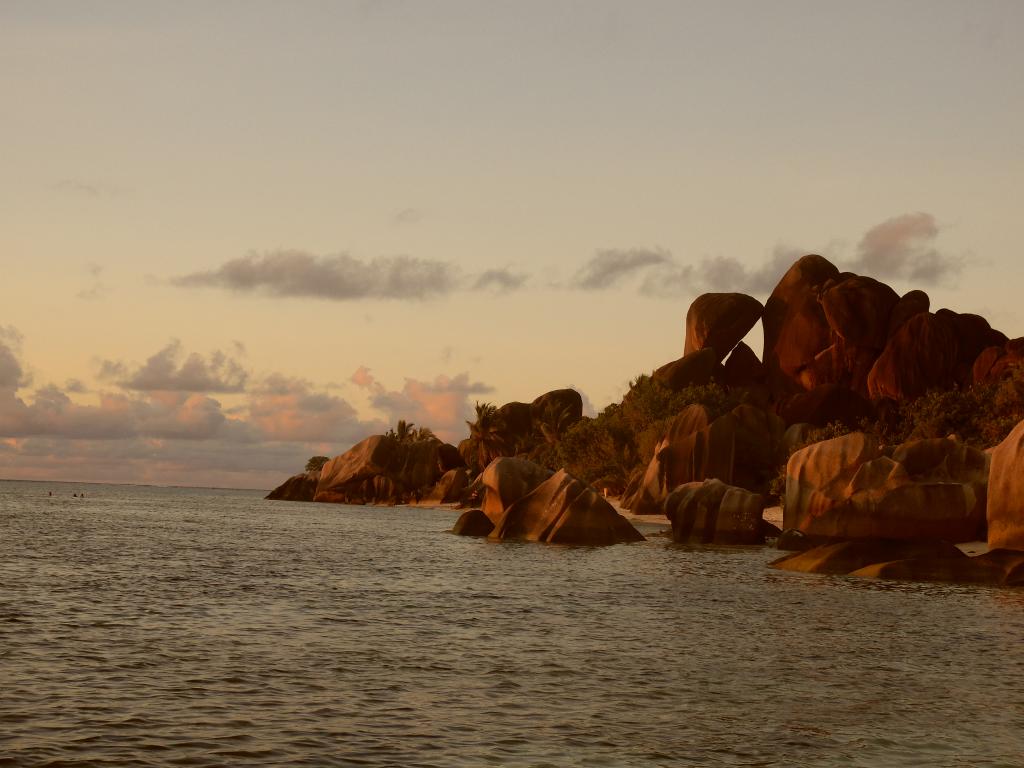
316	463
606	450
407	432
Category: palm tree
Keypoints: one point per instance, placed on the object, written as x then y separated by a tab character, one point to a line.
554	421
404	431
487	433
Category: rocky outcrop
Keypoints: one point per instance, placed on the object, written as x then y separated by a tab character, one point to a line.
301	487
506	480
719	321
712	512
995	362
921	355
1006	492
739	448
693	369
564	510
742	369
449	489
795	327
380	470
473	522
826	404
849	488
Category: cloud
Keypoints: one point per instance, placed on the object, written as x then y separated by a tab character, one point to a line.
218	372
500	280
12	375
442	404
340	277
407	216
96	288
610	267
902	248
288	409
87	189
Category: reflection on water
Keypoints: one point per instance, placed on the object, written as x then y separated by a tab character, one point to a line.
144	626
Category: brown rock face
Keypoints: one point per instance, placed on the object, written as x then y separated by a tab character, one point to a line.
449	488
301	487
693	369
743	369
473	522
719	321
1006	492
995	362
921	355
910	304
740	448
712	512
506	480
379	470
796	330
847	488
564	510
825	404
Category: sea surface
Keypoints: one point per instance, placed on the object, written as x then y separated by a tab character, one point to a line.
145	626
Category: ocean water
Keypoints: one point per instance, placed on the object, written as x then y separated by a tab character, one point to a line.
184	627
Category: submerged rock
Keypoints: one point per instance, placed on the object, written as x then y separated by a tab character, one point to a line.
845	557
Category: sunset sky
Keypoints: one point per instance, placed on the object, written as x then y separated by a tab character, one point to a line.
237	234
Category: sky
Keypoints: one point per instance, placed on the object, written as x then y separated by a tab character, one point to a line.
234	235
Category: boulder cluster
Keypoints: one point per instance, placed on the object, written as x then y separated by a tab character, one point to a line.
839	348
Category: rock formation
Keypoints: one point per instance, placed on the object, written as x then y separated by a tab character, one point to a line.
300	487
849	488
712	512
473	522
719	321
1006	492
506	480
564	510
740	448
382	470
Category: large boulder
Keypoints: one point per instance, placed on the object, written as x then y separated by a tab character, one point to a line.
693	369
1006	492
712	512
449	489
825	404
473	522
301	487
743	368
567	401
564	510
849	488
796	329
739	448
992	363
910	304
973	336
719	321
517	423
506	480
921	355
379	470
